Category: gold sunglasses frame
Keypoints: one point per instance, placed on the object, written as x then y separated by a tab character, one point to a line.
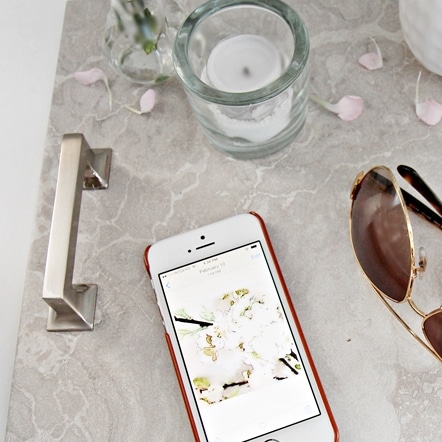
414	270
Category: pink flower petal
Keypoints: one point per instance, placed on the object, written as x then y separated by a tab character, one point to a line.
147	101
91	76
372	60
429	111
348	108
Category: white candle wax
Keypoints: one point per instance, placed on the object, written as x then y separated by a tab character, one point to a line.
243	63
258	124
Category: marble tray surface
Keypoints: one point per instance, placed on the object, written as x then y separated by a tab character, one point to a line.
117	383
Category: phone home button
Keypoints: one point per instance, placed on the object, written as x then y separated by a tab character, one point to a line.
271	440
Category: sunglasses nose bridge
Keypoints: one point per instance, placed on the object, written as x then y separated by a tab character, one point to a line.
422	263
416	308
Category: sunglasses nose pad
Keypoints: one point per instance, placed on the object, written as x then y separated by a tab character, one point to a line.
422	262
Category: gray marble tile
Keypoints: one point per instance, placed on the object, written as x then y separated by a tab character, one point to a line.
117	382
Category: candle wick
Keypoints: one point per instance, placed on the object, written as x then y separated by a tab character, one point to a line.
246	71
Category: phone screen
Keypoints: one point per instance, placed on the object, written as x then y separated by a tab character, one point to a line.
241	357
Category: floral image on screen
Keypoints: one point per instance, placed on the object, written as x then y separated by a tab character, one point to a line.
239	344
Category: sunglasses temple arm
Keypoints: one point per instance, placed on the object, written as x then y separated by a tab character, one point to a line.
421	209
415	180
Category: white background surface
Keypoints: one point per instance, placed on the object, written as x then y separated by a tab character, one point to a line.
30	34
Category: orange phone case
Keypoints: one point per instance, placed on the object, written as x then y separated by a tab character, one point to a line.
298	325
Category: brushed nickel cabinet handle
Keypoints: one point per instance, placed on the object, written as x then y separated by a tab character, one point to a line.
72	306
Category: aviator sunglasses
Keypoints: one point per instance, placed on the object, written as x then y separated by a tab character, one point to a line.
382	240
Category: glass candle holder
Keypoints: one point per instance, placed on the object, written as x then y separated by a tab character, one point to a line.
244	67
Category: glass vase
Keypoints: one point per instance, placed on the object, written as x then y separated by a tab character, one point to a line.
139	37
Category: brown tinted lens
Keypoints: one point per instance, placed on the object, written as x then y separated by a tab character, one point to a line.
380	235
433	331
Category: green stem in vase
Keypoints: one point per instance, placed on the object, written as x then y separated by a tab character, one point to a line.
147	30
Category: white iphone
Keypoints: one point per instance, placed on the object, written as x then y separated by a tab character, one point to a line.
241	359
